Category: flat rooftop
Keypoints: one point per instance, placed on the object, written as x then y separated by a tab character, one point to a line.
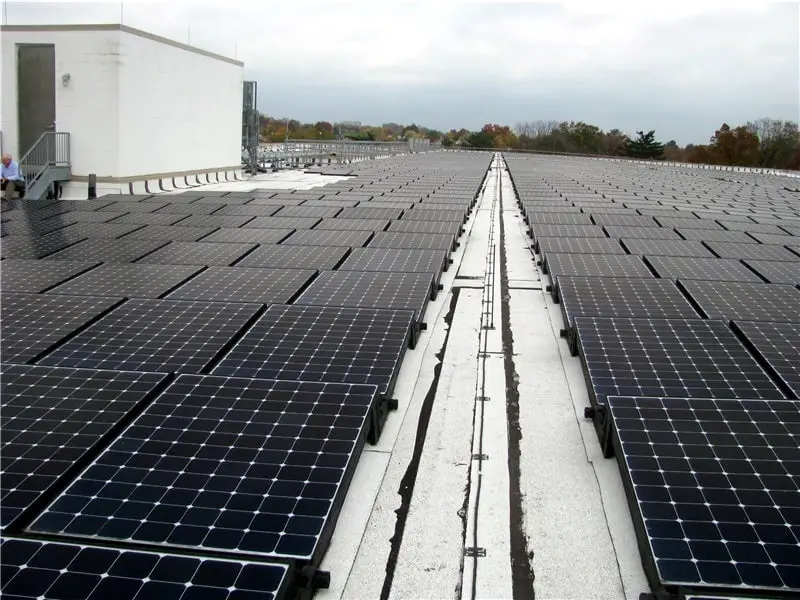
467	375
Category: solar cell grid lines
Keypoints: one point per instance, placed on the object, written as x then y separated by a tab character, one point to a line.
558	218
343	203
249	210
642	246
420	241
544	230
716	235
449	227
752	227
651	233
216	220
687	267
244	465
37	247
170	233
206	208
397	291
33	323
600	265
33	276
155	335
239	284
327	344
92	216
669	357
340	224
308	211
126	280
346	239
391	260
624	220
579	245
776	271
687	222
732	300
714	484
282	223
622	297
58	571
147	218
752	251
776	239
417	214
51	417
134	207
248	236
777	343
370	212
108	251
102	230
219	254
317	258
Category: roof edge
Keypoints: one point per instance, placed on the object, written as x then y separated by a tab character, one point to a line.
125	29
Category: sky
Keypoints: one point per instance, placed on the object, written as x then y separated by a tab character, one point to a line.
679	67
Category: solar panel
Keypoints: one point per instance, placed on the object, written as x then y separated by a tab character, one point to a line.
99	250
101	230
397	291
92	216
328	344
134	206
643	246
282	223
622	297
127	280
389	260
778	344
417	214
580	245
148	218
752	251
256	209
776	240
328	238
751	227
33	323
623	220
340	224
340	203
35	227
33	276
714	269
558	218
51	418
687	223
219	254
238	284
589	265
316	258
417	241
36	569
539	230
22	246
371	212
731	300
171	233
250	236
716	235
216	220
155	335
714	486
777	271
449	227
194	208
669	357
251	466
650	233
308	211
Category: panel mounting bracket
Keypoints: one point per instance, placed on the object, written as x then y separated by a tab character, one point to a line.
480	457
475	551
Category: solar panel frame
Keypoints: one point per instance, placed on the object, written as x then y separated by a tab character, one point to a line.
53	418
241	284
173	336
732	300
64	571
30	276
281	482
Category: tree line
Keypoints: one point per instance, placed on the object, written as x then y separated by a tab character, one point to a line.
766	143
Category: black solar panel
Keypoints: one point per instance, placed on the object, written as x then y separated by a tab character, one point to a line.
216	220
23	246
219	254
370	212
708	269
244	465
540	230
579	245
256	209
328	344
308	211
418	241
716	235
52	417
390	260
126	250
134	206
397	291
249	236
46	570
316	258
101	230
600	265
714	487
777	271
778	345
33	276
458	215
171	233
348	239
205	208
622	297
448	227
750	226
127	280
650	233
155	335
746	301
147	218
300	223
777	240
340	224
35	227
752	251
33	323
239	284
623	220
642	246
558	218
669	357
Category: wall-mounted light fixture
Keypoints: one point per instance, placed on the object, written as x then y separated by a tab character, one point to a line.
65	79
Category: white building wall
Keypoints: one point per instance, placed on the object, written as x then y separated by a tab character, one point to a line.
178	110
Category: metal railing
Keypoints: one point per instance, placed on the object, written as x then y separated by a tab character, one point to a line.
51	150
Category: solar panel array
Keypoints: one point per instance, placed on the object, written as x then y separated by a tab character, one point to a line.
689	339
199	372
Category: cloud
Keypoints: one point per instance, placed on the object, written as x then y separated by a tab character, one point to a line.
681	67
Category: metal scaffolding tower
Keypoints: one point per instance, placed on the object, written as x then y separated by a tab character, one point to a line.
250	126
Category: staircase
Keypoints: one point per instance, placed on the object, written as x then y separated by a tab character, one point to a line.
46	164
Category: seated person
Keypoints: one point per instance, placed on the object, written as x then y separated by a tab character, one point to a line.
11	178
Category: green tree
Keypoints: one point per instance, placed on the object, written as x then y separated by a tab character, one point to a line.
645	146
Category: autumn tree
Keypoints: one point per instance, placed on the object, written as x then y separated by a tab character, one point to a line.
644	146
778	142
736	147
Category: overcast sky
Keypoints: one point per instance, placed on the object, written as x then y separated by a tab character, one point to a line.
681	68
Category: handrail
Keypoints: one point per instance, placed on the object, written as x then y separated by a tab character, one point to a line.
51	149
